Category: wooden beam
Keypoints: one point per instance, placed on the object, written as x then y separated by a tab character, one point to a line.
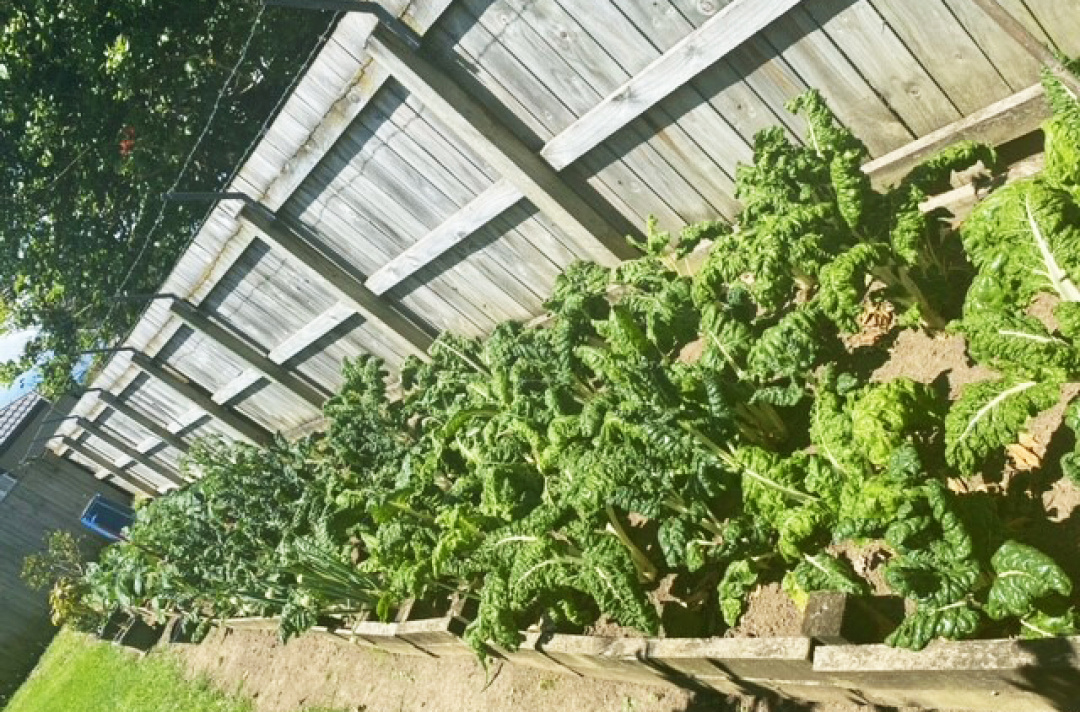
186	420
247	352
337	274
235	388
142	420
699	50
1005	120
130	479
719	36
197	395
311	332
1032	44
116	443
479	211
500	147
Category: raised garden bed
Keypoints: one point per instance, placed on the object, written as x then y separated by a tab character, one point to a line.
992	675
843	396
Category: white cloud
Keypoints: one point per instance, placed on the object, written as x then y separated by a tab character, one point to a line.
11	344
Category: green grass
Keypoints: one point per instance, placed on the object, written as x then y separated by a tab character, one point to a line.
79	673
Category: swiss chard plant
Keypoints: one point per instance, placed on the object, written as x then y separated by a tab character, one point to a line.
669	429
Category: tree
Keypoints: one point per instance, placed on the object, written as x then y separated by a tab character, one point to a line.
101	102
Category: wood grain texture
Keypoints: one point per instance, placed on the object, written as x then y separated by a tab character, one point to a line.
820	63
167	474
201	398
515	161
897	76
998	123
125	476
248	352
1015	65
128	411
311	332
723	33
369	305
942	46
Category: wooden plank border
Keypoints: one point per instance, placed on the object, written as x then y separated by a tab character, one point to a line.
1002	121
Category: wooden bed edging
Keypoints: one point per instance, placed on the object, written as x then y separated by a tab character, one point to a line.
992	675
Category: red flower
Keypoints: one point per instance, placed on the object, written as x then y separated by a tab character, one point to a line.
127	144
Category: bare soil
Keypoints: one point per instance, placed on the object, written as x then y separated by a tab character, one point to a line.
770	613
315	671
925	358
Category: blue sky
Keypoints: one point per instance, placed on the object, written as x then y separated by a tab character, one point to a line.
11	347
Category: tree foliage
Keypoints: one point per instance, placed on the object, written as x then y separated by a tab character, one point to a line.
100	104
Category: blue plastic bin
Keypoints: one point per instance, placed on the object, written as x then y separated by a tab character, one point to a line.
107	518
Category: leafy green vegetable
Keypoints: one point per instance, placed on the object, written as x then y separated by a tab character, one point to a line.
990	414
1023	576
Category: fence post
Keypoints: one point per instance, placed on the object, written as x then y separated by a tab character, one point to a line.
254	357
234	420
99	432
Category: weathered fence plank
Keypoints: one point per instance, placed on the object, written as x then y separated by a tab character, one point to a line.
285	239
252	355
499	147
126	479
1002	121
144	421
192	392
99	432
723	33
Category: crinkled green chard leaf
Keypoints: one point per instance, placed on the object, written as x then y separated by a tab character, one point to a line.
885	416
1062	144
1050	625
822	572
727	341
799	528
934	174
1026	237
842	284
989	415
929	523
1023	576
770	484
792	347
930	580
1070	462
830	422
955	621
1017	343
608	575
739	578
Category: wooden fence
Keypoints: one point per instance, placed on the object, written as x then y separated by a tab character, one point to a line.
438	170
